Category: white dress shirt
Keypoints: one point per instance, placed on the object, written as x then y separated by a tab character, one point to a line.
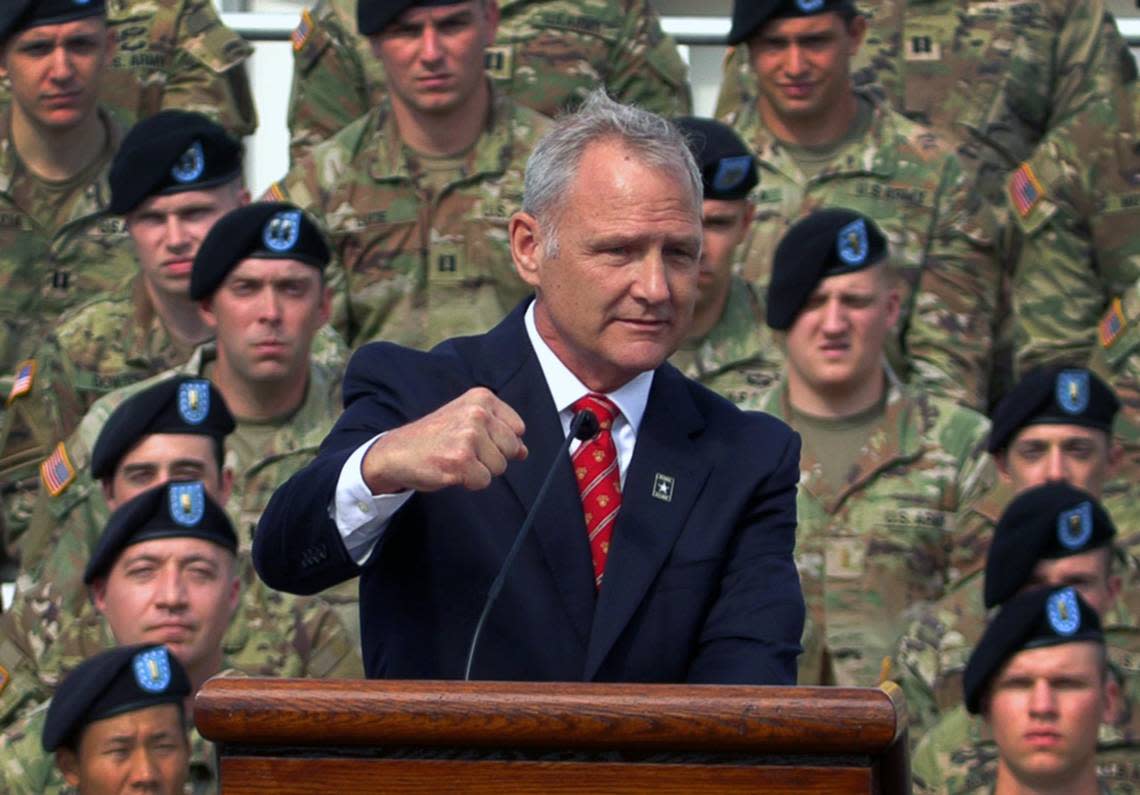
361	516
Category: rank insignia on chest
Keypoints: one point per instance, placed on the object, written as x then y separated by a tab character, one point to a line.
923	48
498	61
1025	190
25	377
1112	325
56	471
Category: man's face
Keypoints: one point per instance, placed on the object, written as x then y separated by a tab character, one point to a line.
1044	709
178	591
1088	572
162	457
803	64
836	342
433	55
144	750
724	224
55	69
616	296
167	231
264	315
1041	454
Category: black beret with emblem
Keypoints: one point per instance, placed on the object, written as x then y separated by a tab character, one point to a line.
17	16
372	16
1048	522
728	169
1032	620
171	152
177	509
826	243
264	230
184	404
1053	396
748	16
121	680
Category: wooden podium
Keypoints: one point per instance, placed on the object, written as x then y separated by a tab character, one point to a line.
287	736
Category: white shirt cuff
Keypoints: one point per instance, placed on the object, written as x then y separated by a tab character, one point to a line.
361	516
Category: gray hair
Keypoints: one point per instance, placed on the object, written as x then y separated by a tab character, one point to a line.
553	165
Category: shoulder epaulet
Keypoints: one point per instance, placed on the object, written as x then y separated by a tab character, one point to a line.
57	471
23	380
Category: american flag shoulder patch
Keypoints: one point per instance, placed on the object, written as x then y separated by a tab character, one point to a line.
25	377
303	30
5	678
274	193
1112	325
56	471
1025	190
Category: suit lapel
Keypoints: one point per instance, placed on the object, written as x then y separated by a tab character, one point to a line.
648	525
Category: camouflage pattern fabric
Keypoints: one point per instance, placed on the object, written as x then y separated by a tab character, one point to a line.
942	240
958	755
64	529
548	54
901	531
995	77
45	270
414	268
175	54
735	357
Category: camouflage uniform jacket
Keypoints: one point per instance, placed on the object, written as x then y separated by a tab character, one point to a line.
547	55
890	540
175	54
50	594
958	755
941	238
995	76
46	271
736	358
416	269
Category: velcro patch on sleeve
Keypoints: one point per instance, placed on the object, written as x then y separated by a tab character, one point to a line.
1112	325
303	31
56	471
1025	190
23	380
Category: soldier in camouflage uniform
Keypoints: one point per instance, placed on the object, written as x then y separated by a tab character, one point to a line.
1054	535
728	348
416	194
56	247
547	55
996	77
834	147
889	476
174	54
133	700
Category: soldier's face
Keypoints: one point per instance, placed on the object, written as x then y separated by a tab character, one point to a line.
433	55
803	64
265	314
144	750
1041	454
1089	572
835	345
167	231
54	71
162	457
616	294
178	591
724	225
1044	709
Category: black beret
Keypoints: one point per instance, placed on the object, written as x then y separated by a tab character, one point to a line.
176	405
728	169
372	16
1045	523
825	243
1053	396
178	509
264	230
171	152
123	679
17	16
748	16
1032	620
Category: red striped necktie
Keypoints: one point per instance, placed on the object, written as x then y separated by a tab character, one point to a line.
599	480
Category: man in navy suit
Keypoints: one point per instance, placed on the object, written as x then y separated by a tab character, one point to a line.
663	550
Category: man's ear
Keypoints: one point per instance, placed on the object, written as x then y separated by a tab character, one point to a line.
525	235
68	763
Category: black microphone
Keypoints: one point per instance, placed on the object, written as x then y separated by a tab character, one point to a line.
583	426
